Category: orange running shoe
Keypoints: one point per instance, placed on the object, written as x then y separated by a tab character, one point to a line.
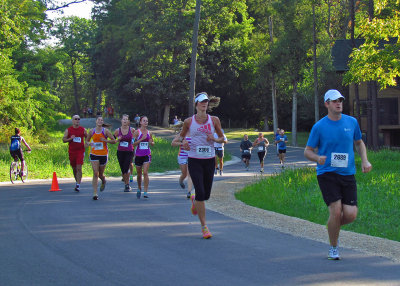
206	233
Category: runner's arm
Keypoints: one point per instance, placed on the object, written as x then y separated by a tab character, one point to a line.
362	150
218	130
65	138
310	154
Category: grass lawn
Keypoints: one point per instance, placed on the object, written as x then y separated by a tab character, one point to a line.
296	193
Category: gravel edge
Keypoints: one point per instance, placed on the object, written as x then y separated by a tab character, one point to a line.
223	201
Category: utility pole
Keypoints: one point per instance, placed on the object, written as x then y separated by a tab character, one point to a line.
194	58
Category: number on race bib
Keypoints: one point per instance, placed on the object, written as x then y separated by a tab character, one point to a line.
98	145
77	140
204	151
339	160
261	148
144	145
124	144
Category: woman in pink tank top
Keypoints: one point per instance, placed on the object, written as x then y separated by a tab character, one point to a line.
201	162
143	141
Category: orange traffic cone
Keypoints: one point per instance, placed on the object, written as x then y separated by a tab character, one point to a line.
54	184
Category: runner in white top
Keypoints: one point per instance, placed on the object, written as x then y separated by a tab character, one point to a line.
219	152
201	163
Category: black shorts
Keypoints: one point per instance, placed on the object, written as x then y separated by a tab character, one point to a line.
261	156
17	154
101	158
336	187
219	153
202	173
125	159
282	151
140	160
246	156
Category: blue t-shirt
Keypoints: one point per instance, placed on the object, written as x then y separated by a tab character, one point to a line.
334	139
281	143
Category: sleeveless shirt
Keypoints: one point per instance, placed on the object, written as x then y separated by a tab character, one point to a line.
77	144
125	144
200	148
100	147
143	149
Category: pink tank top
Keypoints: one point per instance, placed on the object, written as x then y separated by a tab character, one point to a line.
126	140
182	152
143	149
200	148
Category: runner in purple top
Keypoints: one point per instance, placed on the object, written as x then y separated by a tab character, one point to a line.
143	140
124	135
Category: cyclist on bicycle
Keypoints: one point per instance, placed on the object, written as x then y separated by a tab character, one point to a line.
15	148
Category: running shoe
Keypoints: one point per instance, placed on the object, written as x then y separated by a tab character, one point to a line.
193	209
145	195
261	170
138	193
220	172
333	253
247	168
131	178
127	189
181	184
95	197
188	195
216	171
77	189
206	233
103	185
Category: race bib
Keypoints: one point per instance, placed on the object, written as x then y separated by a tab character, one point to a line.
339	160
246	151
98	145
144	145
124	144
261	148
77	140
204	151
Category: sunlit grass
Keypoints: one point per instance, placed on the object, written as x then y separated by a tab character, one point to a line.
296	193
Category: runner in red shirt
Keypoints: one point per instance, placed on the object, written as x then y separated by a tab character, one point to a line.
75	136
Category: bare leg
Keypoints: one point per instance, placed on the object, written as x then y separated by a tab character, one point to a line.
201	211
78	175
139	177
95	167
146	167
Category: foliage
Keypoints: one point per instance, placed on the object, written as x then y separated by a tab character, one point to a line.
378	59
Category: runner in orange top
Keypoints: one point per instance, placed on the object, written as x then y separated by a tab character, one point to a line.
75	137
99	153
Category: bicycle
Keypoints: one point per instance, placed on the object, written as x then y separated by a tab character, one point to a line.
15	171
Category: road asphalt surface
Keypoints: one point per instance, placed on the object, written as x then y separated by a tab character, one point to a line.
66	238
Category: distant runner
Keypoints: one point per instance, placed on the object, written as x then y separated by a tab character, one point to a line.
99	153
245	149
75	137
261	143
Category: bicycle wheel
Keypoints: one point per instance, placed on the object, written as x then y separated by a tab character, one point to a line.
14	172
24	176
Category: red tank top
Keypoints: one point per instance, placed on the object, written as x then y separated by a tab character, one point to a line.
77	144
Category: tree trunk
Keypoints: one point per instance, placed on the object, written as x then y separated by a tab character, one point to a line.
353	44
193	60
294	114
369	115
266	127
375	120
167	108
75	83
273	85
316	97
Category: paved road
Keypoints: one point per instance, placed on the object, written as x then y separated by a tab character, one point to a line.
64	238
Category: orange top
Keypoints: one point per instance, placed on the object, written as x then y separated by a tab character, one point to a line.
99	148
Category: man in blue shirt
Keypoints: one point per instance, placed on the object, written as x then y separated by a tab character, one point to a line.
334	136
281	141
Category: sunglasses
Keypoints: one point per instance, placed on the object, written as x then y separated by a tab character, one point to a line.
77	119
336	100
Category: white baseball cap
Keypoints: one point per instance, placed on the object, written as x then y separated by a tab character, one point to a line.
332	94
201	97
